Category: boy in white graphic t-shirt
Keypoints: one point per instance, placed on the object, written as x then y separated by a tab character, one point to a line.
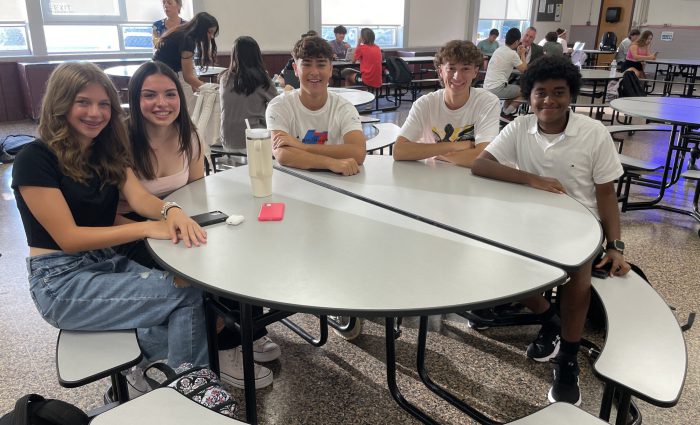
455	123
311	127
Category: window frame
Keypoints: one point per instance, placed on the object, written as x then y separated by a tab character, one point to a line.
23	52
51	19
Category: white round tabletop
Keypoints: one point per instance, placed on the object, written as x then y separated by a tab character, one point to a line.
354	96
672	110
335	254
599	74
127	71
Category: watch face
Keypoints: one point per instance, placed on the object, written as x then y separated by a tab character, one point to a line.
619	245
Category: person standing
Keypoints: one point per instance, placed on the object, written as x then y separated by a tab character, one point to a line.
172	19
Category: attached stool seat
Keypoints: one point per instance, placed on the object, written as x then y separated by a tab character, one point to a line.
162	406
86	356
559	413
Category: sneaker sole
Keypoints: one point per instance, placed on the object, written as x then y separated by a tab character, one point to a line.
547	358
475	326
267	356
552	400
260	382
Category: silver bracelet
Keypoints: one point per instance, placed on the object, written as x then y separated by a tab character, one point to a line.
166	207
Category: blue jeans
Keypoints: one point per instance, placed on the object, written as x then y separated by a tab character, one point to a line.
100	290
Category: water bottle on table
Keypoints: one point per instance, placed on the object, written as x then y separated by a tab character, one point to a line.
613	67
259	147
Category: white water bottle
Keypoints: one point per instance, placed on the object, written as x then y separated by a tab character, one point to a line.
613	67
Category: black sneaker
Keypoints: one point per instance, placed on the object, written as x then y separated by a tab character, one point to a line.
565	386
546	345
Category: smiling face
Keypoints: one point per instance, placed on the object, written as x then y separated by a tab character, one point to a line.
313	74
550	100
89	114
159	101
457	77
339	37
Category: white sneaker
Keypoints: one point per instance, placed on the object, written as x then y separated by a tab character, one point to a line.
231	366
265	350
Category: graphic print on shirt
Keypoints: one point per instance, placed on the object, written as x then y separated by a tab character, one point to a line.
313	137
454	134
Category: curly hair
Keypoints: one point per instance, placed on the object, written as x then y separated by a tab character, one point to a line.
459	51
138	137
311	48
108	155
551	68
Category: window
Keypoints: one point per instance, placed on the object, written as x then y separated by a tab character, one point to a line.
13	28
80	26
386	20
503	15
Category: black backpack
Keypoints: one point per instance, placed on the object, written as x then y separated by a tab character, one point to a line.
33	409
630	86
609	41
398	70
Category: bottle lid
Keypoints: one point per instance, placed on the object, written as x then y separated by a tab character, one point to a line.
257	133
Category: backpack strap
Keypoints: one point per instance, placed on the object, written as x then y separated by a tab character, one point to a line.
60	412
21	412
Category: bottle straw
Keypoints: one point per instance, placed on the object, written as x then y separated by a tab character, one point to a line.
247	123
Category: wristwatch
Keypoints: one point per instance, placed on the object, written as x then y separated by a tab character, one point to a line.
617	245
166	207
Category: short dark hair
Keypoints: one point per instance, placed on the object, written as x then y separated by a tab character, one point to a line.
551	36
309	33
312	47
459	51
494	32
367	36
512	36
634	32
551	68
340	30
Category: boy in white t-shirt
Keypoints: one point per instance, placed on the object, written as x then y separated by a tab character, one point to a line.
311	127
501	65
562	152
455	123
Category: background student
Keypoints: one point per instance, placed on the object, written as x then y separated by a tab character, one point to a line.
177	47
245	91
489	44
338	44
551	47
311	127
624	46
370	57
172	19
501	65
639	52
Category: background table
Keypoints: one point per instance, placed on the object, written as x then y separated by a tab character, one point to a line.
334	254
550	227
689	67
682	113
127	71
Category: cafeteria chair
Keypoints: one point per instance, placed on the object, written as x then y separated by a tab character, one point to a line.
83	357
162	406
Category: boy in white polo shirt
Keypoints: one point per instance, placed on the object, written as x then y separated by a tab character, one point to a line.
455	123
311	127
562	152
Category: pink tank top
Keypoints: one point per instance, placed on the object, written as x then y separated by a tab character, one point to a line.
641	51
160	186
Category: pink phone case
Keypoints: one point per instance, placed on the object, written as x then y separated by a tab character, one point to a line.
271	211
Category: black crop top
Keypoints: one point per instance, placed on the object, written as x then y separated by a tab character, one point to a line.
170	52
90	204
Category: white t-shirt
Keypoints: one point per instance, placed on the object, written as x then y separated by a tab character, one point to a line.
581	157
500	67
327	125
431	121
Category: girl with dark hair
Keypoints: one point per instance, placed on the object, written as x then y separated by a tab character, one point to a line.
245	92
67	187
176	47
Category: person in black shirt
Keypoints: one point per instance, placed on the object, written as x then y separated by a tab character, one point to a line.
67	187
177	47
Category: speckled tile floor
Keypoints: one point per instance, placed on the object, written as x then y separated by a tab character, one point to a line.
343	382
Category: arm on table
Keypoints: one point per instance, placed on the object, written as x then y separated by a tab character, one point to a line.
486	165
406	150
341	159
464	158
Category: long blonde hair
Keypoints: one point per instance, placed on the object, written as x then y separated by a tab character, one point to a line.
108	156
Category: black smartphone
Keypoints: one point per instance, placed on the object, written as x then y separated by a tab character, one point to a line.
208	218
602	272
